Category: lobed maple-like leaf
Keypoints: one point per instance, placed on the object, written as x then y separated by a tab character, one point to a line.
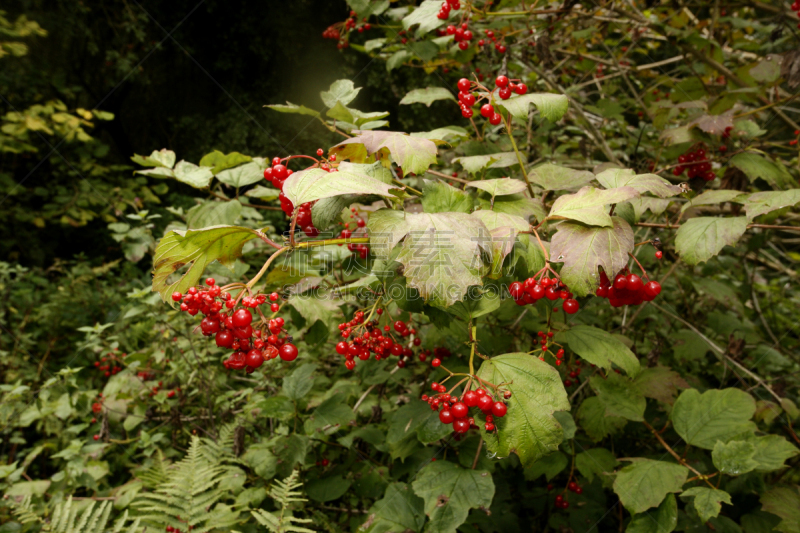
652	183
314	184
442	253
588	205
552	177
584	248
413	154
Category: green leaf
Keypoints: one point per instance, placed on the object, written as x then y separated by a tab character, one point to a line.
328	488
243	175
652	183
342	91
515	204
443	134
198	249
213	213
399	510
503	229
425	17
449	492
716	415
263	193
499	187
761	203
619	397
557	178
293	109
588	205
583	249
699	239
529	250
309	185
660	383
707	502
476	163
367	8
755	166
427	96
645	483
549	466
219	161
413	154
768	70
600	348
711	197
299	382
783	502
397	59
441	252
550	106
529	429
475	305
595	462
771	451
332	412
439	197
191	174
594	421
734	458
654	205
661	520
159	158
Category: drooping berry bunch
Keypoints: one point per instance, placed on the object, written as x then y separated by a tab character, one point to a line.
467	100
461	34
695	164
357	248
573	373
447	5
233	327
532	290
627	289
277	175
108	363
340	30
455	411
369	338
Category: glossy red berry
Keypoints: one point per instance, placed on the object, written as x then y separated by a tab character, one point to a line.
446	417
224	339
634	283
652	289
571	306
659	254
288	352
485	403
463	83
436	362
176	296
242	318
501	81
461	425
459	410
499	409
471	398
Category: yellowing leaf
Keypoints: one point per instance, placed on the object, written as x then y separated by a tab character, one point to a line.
413	154
588	205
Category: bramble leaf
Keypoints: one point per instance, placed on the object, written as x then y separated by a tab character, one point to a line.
716	415
645	483
600	348
699	239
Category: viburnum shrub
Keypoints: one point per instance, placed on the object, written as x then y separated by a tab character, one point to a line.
569	306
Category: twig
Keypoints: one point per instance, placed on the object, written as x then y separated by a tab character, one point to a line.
477	454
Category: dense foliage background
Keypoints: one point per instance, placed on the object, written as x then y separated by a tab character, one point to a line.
676	414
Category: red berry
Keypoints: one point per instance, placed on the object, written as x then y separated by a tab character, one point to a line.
176	296
341	348
288	352
459	410
436	362
254	358
495	119
659	254
487	110
446	417
224	339
634	283
499	409
652	289
620	282
485	403
242	318
501	81
461	425
96	437
571	306
471	398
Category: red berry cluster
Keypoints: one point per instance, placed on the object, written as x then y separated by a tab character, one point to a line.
361	249
796	132
627	289
438	353
532	290
108	364
467	100
462	34
499	46
335	31
695	164
372	340
572	373
447	5
233	328
456	411
276	175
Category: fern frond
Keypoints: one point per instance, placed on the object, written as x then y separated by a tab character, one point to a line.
156	474
189	494
24	511
284	493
